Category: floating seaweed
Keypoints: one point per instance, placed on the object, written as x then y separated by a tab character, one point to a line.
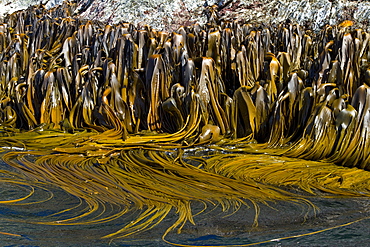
113	113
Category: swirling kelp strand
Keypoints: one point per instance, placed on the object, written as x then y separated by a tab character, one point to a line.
79	187
145	179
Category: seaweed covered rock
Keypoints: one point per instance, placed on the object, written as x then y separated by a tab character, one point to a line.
283	85
170	15
146	122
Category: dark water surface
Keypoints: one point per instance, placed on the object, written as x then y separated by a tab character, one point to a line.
214	227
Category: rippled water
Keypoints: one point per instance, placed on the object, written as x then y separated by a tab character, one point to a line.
276	222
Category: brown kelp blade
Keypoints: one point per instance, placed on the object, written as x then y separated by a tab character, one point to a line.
231	115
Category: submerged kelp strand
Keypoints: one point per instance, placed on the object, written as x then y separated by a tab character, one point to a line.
227	114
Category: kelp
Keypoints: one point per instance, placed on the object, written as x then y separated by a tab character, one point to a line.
226	115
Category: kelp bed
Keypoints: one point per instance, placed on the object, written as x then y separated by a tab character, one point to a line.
227	114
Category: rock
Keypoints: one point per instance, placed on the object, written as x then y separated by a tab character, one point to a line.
170	14
9	6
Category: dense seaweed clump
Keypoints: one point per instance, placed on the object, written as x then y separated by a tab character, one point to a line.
224	114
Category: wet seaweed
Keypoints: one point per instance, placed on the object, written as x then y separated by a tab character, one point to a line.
111	113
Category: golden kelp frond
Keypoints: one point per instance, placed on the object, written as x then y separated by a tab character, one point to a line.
157	182
126	82
291	172
346	23
234	115
42	139
143	179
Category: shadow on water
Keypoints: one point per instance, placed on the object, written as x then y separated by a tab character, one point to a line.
214	227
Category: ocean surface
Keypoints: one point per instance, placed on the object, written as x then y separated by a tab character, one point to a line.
335	222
